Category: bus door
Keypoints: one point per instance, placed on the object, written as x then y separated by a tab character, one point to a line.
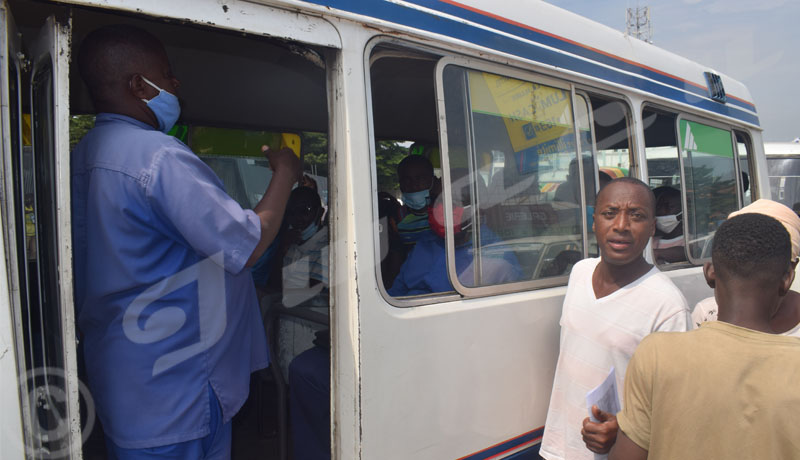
38	241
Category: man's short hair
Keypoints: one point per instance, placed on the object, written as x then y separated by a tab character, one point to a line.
111	54
751	246
414	160
636	182
304	196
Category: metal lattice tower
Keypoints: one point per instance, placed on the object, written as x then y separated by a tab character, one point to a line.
637	23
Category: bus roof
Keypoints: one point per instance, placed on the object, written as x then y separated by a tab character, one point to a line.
539	32
782	148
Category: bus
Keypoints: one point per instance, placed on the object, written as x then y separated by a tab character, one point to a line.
783	163
519	106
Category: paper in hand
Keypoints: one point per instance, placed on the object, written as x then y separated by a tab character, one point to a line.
604	396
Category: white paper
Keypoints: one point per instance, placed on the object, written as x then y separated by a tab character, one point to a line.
604	396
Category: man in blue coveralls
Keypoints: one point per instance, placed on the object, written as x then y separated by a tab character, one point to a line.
168	312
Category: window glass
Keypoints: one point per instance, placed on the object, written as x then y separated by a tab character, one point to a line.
612	137
745	153
711	187
513	171
664	172
784	180
412	260
612	154
235	156
45	303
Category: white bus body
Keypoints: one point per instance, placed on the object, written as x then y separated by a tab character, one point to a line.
463	374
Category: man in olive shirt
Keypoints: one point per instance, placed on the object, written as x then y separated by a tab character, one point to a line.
728	389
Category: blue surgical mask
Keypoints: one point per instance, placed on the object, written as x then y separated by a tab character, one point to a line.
417	200
165	106
309	231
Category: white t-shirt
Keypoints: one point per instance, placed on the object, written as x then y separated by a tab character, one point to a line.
706	310
596	335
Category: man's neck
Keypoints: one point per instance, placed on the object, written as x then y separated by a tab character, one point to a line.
608	278
138	112
746	304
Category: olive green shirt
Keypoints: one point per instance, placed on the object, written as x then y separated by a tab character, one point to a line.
718	392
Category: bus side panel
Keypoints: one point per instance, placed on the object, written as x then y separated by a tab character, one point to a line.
449	380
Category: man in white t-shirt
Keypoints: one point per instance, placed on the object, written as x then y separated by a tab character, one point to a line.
612	303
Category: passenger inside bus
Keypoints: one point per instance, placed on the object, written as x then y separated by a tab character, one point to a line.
425	269
570	190
309	401
131	233
305	250
390	213
305	279
668	242
419	188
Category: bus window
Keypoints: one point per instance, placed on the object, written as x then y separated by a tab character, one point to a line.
784	179
526	211
408	169
709	168
664	172
609	121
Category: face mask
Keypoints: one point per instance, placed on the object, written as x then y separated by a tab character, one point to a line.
667	223
417	200
165	106
309	231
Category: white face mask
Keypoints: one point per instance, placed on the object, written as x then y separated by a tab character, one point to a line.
667	223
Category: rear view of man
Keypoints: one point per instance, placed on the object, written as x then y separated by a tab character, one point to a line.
728	389
612	303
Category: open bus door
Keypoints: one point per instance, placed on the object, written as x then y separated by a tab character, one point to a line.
38	241
11	352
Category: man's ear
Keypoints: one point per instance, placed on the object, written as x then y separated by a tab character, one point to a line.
786	281
710	275
138	87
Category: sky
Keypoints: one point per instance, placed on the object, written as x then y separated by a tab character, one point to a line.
754	41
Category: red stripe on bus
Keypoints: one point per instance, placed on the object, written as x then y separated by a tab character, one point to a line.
595	50
503	442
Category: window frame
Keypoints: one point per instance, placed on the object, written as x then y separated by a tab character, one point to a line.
684	196
749	155
412	48
527	76
445	58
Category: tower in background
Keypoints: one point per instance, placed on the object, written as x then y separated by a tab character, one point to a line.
637	23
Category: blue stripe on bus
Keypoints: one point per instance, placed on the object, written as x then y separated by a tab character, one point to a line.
514	443
671	87
569	47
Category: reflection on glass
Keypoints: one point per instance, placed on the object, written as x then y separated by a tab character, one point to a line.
510	147
710	175
784	180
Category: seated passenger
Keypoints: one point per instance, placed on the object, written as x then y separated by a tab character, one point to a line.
305	260
668	242
417	183
305	277
309	401
570	190
393	252
425	269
